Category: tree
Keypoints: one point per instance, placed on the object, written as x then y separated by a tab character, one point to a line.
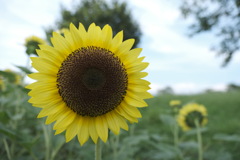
220	16
116	14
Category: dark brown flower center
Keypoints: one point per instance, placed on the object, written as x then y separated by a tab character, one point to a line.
92	81
192	116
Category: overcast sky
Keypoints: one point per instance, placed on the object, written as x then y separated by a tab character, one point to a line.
187	65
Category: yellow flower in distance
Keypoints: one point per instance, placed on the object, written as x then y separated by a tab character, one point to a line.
16	78
191	112
89	82
32	43
174	103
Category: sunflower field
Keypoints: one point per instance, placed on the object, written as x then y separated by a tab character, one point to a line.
84	94
154	137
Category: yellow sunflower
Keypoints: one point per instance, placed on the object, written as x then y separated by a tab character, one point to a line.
2	84
191	112
174	103
89	82
31	44
15	77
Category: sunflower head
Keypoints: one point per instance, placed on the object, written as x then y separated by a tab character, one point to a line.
13	77
2	85
175	103
189	114
89	82
32	43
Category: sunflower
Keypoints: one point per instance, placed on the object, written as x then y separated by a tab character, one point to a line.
2	85
174	103
31	43
13	77
191	112
89	82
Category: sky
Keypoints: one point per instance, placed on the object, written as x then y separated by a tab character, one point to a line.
185	64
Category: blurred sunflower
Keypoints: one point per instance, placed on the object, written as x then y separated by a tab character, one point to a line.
2	84
189	114
174	103
32	43
13	77
89	82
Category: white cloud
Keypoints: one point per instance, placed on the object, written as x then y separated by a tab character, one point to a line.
188	87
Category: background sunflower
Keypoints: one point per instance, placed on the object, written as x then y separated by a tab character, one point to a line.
191	112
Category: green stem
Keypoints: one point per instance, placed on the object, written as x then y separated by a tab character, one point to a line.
7	149
199	138
175	135
47	142
115	147
98	150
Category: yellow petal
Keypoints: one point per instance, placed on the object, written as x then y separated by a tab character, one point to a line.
138	88
117	40
50	94
83	134
54	117
107	36
44	65
94	35
137	68
123	113
139	81
58	131
134	100
65	119
77	40
92	129
61	44
112	123
102	128
51	57
37	85
125	47
50	110
42	77
73	128
131	56
137	75
120	120
53	52
132	111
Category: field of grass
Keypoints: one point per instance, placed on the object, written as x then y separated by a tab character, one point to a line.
24	137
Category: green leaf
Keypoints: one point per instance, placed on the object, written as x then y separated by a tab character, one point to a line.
5	131
24	69
4	118
189	145
226	137
194	131
168	120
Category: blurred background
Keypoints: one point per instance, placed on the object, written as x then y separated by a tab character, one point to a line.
193	49
187	65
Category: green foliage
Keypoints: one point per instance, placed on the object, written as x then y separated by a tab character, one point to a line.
220	16
116	14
